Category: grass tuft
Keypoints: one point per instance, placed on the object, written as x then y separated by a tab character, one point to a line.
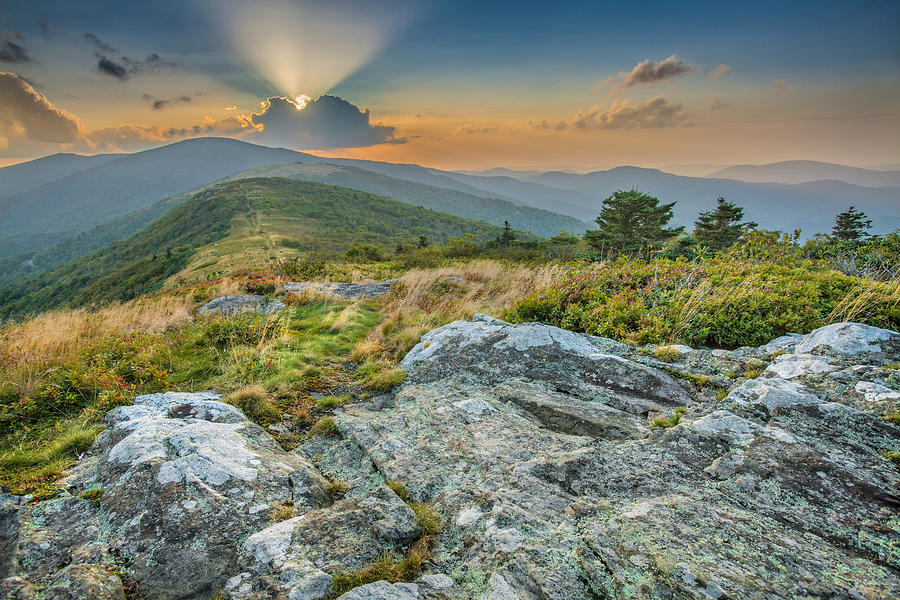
671	421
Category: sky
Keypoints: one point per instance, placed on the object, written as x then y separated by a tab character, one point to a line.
685	86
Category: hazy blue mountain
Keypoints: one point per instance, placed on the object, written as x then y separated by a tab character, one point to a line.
807	206
38	216
34	173
802	171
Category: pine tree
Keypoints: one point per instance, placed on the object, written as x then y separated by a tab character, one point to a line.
719	228
851	225
506	238
423	241
631	223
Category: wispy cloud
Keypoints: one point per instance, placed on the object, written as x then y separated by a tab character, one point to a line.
12	52
655	112
717	103
559	126
719	71
650	71
161	103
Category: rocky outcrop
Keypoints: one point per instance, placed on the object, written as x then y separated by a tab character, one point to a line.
229	306
354	291
563	466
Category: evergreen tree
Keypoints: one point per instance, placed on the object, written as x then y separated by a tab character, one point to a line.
631	223
423	241
719	228
506	238
851	225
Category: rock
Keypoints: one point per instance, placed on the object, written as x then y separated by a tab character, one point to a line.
181	474
382	590
231	305
82	581
875	392
790	366
772	393
353	291
16	588
533	446
853	340
785	343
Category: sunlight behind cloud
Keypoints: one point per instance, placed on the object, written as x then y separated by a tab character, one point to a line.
306	48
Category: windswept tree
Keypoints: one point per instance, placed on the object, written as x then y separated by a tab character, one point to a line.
851	225
631	224
719	228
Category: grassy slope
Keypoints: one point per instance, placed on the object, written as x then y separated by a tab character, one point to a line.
263	218
491	210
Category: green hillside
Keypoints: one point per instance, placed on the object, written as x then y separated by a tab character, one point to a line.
251	220
492	210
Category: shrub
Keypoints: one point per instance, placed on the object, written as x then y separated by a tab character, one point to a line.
282	511
261	288
94	495
338	489
241	329
729	301
384	380
365	253
329	402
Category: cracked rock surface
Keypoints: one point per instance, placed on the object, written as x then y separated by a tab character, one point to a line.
537	447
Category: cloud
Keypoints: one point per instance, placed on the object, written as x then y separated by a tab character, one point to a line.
560	126
781	85
13	53
111	68
717	104
324	123
123	67
655	112
232	107
719	71
649	71
26	116
159	104
472	130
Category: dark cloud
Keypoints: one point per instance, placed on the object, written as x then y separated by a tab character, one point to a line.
13	52
26	116
113	69
650	71
655	112
161	103
123	67
324	123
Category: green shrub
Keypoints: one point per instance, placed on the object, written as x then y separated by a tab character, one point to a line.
732	300
261	288
666	353
428	519
398	488
94	495
324	426
384	380
329	402
241	329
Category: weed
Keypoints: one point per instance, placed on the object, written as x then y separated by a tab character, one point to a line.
256	404
386	567
721	394
324	426
337	489
666	353
329	402
94	495
382	379
429	520
892	417
282	511
671	421
893	456
398	488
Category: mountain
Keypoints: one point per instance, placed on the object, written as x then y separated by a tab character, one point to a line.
802	171
491	210
240	223
807	206
23	177
110	187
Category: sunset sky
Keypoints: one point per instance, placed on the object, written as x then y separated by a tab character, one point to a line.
459	85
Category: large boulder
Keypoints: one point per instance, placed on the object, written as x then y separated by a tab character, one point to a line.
853	340
176	479
228	306
354	291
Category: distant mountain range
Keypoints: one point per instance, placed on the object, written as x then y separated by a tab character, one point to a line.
60	207
803	171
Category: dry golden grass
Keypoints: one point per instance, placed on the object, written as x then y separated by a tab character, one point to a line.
343	318
59	335
426	298
862	303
